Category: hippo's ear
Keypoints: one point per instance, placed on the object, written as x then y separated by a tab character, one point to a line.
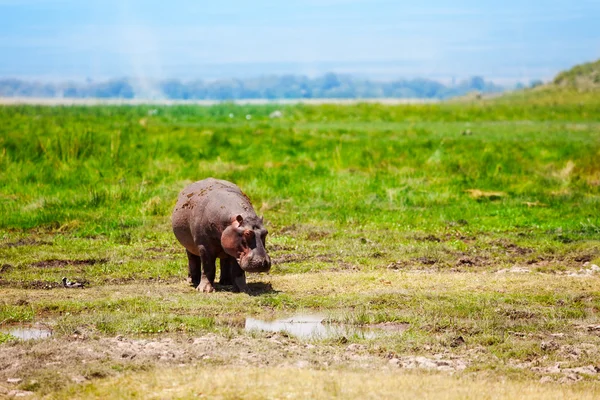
239	219
261	219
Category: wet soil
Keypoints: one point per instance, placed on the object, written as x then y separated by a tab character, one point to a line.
54	263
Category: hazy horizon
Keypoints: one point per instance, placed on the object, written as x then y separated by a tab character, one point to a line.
380	40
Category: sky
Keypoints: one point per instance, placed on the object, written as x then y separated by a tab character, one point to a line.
505	41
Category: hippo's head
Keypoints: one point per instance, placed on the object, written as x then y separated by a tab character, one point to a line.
244	239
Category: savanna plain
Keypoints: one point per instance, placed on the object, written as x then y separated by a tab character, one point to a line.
452	246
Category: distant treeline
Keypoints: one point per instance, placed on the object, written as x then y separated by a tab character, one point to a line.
268	87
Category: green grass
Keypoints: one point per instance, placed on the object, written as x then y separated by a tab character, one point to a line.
377	214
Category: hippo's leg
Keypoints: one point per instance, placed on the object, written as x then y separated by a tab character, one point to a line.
208	272
194	268
226	271
239	277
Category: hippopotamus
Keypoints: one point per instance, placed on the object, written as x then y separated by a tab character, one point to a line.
214	219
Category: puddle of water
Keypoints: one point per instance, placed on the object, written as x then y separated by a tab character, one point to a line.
28	332
309	326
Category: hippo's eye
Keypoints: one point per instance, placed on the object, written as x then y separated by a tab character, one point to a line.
248	234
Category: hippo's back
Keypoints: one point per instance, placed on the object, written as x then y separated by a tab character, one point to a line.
199	204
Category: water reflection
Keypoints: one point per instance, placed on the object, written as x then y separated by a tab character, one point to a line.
28	332
308	326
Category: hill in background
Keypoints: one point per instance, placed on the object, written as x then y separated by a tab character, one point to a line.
583	77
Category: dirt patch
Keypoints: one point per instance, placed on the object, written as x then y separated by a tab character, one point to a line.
517	314
317	235
127	281
438	362
345	266
514	270
289	258
560	373
163	250
26	242
54	263
279	247
326	257
36	284
46	285
398	265
583	258
390	326
290	229
472	261
512	248
425	260
5	268
89	358
428	238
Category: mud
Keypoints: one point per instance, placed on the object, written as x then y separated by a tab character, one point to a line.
33	284
438	362
26	242
54	263
289	258
5	268
80	358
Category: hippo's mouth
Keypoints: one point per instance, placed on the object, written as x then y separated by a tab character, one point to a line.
249	263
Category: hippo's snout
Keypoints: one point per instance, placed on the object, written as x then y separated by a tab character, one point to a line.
254	262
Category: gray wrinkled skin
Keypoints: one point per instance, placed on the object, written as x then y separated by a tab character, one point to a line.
215	219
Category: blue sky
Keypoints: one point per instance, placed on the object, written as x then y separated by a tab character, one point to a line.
381	39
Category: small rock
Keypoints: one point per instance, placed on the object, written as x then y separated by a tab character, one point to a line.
595	268
555	369
585	264
457	341
309	346
588	369
3	390
546	379
514	270
569	378
424	362
549	346
20	393
302	364
14	380
395	362
355	347
78	379
593	328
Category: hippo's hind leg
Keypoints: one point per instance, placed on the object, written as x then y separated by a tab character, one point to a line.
226	271
194	268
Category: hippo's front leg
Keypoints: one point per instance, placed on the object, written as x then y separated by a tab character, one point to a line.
239	277
208	271
226	270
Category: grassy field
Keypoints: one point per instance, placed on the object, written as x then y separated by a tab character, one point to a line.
463	235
